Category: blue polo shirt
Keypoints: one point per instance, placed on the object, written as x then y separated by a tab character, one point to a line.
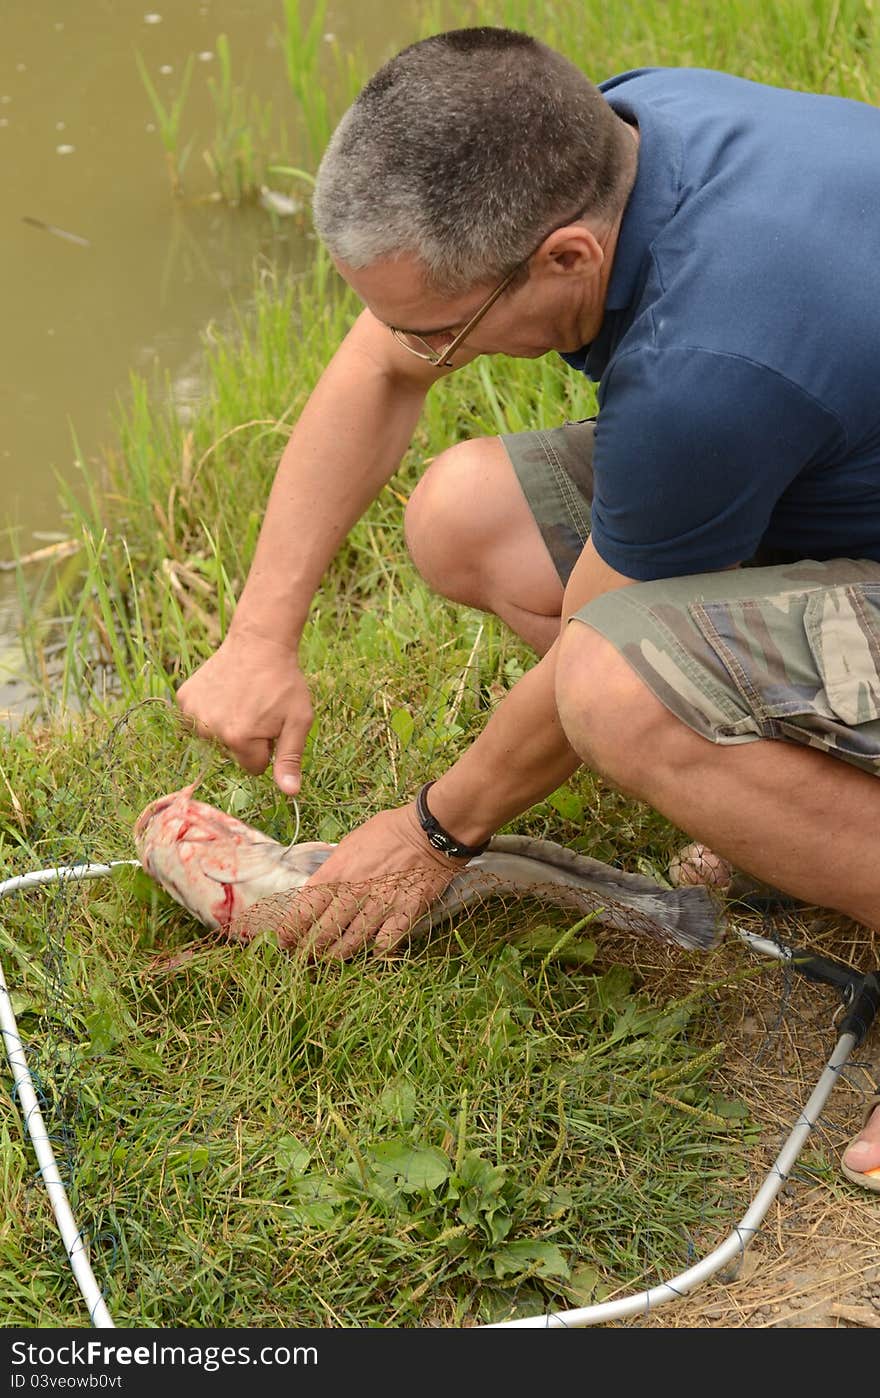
739	357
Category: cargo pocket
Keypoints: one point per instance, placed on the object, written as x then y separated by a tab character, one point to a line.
805	664
842	625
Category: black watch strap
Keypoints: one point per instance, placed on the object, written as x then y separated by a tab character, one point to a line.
438	837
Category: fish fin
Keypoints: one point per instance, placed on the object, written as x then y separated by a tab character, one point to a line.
288	867
260	860
571	861
306	858
697	923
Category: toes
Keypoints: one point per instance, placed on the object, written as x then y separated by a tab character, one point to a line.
863	1156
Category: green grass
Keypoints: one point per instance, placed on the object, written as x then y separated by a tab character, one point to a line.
485	1125
508	1118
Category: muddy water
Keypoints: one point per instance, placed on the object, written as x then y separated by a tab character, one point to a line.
102	271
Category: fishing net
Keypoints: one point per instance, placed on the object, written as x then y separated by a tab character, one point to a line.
526	1107
281	914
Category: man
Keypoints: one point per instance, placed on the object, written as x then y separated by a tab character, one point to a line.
707	249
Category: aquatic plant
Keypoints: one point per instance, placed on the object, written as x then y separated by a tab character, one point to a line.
168	119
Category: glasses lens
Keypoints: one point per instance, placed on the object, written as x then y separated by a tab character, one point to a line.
416	344
423	348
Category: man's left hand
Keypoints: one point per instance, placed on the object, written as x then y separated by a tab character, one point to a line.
377	882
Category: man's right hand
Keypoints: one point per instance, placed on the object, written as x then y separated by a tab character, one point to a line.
252	697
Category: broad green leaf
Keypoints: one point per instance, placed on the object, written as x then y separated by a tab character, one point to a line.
23	1004
538	1258
239	800
559	1203
147	1060
317	1202
732	1110
567	803
104	1031
403	724
291	1155
586	1287
189	1161
411	1168
540	941
398	1101
318	1214
479	1175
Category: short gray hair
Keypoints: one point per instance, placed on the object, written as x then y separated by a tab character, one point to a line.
465	150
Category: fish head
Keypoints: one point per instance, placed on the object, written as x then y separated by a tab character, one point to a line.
213	864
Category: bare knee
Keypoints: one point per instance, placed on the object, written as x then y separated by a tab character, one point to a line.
473	538
610	717
442	527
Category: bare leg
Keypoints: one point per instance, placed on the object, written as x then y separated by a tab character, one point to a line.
473	539
793	817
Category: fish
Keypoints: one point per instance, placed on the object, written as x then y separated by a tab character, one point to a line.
234	878
55	231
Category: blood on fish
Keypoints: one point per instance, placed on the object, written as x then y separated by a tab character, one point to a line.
223	910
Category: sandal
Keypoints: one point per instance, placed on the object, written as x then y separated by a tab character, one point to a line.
868	1179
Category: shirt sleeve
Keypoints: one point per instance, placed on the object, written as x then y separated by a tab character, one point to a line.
693	450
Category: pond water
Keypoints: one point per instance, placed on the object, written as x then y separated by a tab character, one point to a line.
102	270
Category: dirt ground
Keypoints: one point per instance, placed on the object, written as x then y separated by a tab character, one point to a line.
816	1260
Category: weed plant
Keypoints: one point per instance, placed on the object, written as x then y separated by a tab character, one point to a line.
169	119
517	1115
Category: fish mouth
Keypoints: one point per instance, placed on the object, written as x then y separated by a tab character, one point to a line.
156	807
149	813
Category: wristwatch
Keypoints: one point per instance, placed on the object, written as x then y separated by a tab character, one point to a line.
439	838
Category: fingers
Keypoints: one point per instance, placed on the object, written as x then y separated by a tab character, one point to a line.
396	928
191	723
336	920
251	697
252	754
382	917
303	913
354	917
287	767
348	909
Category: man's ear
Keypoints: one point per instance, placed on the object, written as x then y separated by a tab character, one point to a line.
572	249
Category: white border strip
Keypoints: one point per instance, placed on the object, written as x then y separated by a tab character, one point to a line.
71	1236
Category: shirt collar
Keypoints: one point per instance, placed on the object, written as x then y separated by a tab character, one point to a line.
652	201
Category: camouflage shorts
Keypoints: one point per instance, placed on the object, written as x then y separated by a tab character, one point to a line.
787	650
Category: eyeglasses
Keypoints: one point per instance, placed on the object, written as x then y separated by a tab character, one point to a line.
441	359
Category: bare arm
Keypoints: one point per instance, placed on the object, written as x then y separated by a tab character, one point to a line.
346	446
384	874
348	442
